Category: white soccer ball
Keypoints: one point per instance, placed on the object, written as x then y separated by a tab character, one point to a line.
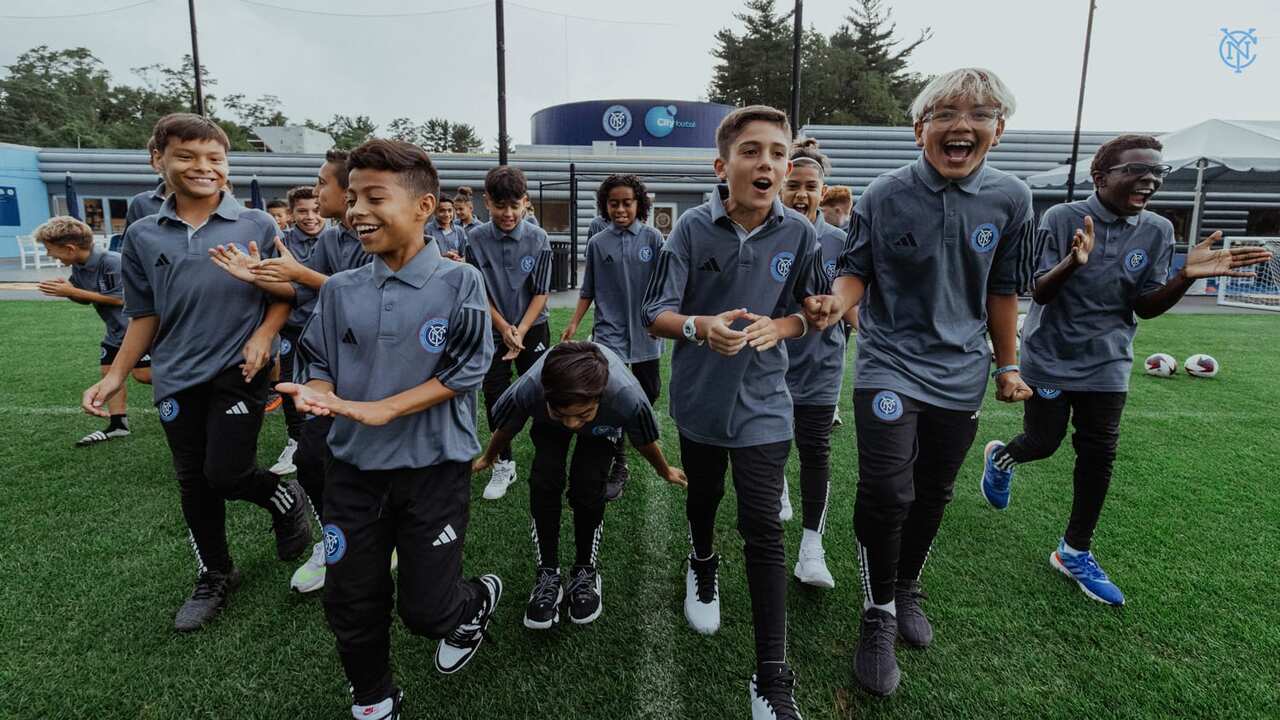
1162	365
1203	366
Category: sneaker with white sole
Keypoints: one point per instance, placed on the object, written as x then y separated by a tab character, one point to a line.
309	577
388	709
773	696
284	464
1089	576
702	594
459	646
543	610
996	483
785	514
504	473
811	568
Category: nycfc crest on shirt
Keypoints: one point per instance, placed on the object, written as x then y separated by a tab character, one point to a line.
604	430
335	543
526	264
645	254
168	409
780	266
434	334
829	267
1135	260
984	238
887	405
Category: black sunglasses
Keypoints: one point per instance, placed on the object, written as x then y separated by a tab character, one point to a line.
1161	171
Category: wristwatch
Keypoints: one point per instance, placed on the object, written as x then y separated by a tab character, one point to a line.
691	331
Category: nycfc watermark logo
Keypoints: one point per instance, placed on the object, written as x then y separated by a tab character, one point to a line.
285	346
433	334
168	409
984	238
526	264
829	267
617	120
1048	393
645	254
1135	260
1236	49
780	265
335	544
887	405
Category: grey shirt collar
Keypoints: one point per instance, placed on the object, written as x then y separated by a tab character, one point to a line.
415	272
1100	211
934	180
228	208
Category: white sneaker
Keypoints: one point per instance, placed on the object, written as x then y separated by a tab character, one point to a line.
785	514
284	464
811	568
504	473
702	594
310	577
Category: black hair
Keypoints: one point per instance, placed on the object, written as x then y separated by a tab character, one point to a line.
574	373
616	181
1110	151
411	164
339	159
806	148
302	192
178	127
505	184
278	203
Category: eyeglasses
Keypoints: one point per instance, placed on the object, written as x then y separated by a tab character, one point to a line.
947	118
1161	171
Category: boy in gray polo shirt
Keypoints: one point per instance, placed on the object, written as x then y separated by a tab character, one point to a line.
725	280
95	280
937	252
1103	261
514	256
209	334
447	233
395	350
577	389
619	264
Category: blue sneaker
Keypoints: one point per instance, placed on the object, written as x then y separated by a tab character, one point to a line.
1082	568
995	482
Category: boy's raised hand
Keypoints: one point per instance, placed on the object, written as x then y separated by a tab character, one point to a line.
822	311
762	333
58	287
721	337
304	397
1205	262
1082	243
237	263
285	268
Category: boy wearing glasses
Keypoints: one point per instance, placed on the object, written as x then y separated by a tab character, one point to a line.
935	257
1104	260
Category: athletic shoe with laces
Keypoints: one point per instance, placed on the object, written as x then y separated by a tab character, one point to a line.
811	567
284	464
702	594
585	602
786	513
619	474
913	626
292	527
460	645
101	436
1084	569
543	611
309	577
388	709
773	696
207	600
875	665
995	482
503	474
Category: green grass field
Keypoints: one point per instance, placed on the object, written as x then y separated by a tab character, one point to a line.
94	561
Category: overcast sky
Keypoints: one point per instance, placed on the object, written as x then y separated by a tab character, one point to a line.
1154	66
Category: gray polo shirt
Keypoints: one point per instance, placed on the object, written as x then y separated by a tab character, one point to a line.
816	366
101	274
338	249
1083	340
516	266
598	223
303	246
619	264
205	315
455	239
708	265
144	204
930	251
468	227
376	333
623	407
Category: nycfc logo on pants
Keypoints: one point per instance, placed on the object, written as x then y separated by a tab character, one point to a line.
1048	393
780	266
102	354
285	346
984	238
1135	260
645	254
433	334
335	544
526	264
168	409
887	405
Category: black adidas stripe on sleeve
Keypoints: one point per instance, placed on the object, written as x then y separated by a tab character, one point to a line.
466	339
542	274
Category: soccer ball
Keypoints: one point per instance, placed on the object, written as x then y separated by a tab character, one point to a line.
1201	366
1162	365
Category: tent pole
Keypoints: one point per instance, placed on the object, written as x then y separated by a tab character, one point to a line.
1193	236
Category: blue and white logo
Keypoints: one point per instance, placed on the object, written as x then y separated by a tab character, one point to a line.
102	352
887	405
780	265
433	334
285	346
604	430
660	120
617	120
526	264
1135	260
645	254
984	238
1236	48
335	544
829	267
168	409
1048	393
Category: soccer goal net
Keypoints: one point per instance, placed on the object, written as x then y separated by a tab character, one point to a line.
1261	291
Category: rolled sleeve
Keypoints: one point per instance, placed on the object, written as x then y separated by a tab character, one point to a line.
670	275
469	347
139	298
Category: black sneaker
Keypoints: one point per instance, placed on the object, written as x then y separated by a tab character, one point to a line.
913	626
773	694
207	600
617	482
544	602
289	521
379	710
459	646
584	594
874	663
